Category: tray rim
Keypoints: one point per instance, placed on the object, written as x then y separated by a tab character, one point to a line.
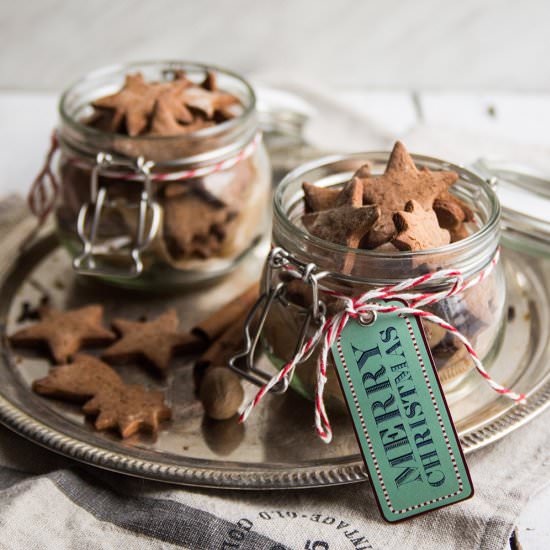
229	476
25	425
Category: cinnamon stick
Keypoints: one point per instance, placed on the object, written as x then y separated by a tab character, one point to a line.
219	353
214	326
225	346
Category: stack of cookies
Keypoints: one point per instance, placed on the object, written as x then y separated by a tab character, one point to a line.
404	209
169	108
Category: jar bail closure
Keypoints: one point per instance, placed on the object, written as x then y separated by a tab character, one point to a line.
148	213
140	170
243	362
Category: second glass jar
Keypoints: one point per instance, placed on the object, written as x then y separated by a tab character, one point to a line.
478	312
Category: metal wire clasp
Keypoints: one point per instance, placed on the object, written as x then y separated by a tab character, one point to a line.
148	214
243	362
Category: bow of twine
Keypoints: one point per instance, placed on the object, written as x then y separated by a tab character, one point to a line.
367	306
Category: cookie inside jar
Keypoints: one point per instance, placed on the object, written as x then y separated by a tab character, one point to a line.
371	220
172	157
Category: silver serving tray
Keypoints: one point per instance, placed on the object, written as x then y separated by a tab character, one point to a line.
277	448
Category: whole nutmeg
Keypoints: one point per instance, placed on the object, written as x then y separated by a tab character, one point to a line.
221	393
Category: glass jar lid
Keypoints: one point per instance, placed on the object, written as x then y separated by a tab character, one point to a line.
524	194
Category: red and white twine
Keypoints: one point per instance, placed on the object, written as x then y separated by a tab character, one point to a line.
44	189
181	175
368	302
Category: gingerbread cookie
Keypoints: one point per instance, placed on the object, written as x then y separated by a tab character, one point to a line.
450	214
79	380
209	103
461	232
170	115
318	198
452	211
130	107
453	214
350	195
401	182
65	332
153	341
346	223
324	198
128	409
168	108
210	81
194	225
418	229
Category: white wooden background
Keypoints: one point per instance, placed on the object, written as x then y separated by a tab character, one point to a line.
418	44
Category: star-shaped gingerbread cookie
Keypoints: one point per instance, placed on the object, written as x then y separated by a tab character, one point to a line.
132	105
418	229
453	214
171	107
194	225
210	81
402	181
153	341
79	380
170	116
129	409
208	102
65	332
346	223
317	198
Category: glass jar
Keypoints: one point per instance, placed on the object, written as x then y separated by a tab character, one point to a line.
478	312
160	211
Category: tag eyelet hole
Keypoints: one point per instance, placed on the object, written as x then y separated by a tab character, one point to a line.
367	318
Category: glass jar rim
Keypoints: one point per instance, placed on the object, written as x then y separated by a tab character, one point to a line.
301	172
209	132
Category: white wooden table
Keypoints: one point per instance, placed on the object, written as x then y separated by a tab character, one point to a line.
490	123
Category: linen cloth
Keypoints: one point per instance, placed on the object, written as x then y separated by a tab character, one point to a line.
47	501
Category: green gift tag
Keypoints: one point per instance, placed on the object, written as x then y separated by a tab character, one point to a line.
400	415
